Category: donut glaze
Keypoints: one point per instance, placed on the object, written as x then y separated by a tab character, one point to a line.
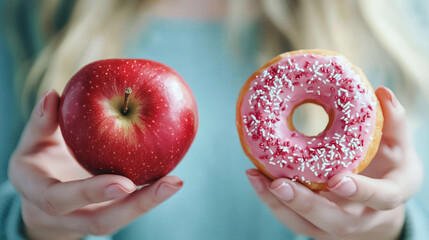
267	102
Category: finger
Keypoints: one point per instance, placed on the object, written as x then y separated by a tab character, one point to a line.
285	215
380	194
109	218
57	198
393	113
62	198
42	123
318	210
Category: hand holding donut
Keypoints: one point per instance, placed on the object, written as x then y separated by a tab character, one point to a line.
367	206
267	102
62	201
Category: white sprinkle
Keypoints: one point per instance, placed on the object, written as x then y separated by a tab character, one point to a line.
254	118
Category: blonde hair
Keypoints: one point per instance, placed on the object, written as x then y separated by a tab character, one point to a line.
370	33
375	35
95	29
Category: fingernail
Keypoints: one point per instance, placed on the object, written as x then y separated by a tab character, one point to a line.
42	104
252	172
282	190
165	190
256	182
116	191
346	187
392	97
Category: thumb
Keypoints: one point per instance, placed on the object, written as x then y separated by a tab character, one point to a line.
394	127
42	123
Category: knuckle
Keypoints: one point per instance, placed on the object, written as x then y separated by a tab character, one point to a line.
144	205
87	196
304	207
367	198
392	201
96	228
48	207
140	206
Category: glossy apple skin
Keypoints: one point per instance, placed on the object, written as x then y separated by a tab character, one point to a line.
143	146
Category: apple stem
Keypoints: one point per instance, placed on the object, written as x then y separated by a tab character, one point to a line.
128	91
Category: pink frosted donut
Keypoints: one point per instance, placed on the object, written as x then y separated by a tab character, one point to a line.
264	117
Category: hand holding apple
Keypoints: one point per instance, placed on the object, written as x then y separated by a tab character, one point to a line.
59	198
132	117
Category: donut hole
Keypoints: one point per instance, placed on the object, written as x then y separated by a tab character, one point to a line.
310	119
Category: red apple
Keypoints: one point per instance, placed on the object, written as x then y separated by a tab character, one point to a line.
141	135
